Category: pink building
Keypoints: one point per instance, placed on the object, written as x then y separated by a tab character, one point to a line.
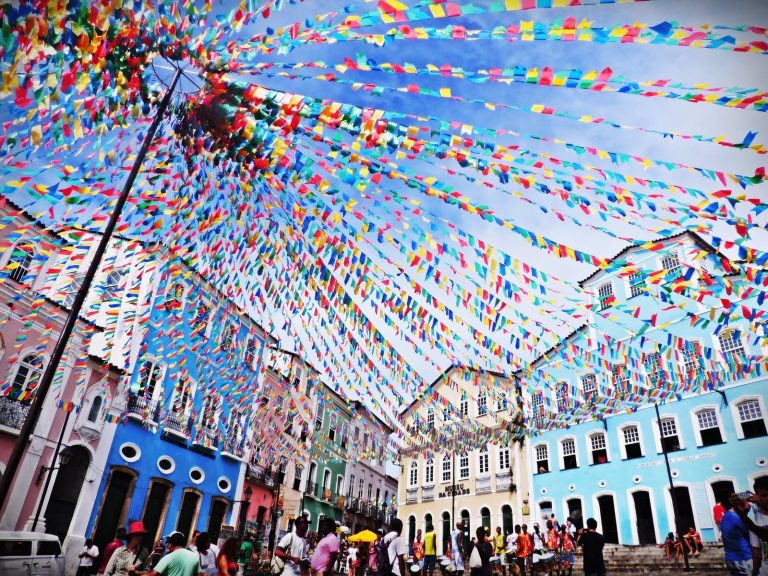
40	274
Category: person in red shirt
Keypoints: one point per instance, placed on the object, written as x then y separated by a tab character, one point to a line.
110	549
524	548
718	512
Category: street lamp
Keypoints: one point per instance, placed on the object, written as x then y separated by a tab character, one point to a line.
64	457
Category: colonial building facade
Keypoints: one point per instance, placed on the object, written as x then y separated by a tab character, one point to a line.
441	482
707	378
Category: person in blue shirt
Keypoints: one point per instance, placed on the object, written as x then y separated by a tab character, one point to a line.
738	554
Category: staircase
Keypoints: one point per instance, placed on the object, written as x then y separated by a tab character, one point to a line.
634	560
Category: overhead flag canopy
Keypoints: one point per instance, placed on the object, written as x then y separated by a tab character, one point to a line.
396	188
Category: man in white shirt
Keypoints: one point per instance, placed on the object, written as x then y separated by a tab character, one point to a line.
88	556
457	554
293	549
396	548
571	527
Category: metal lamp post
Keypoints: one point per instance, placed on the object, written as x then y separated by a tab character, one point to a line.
671	488
64	457
6	480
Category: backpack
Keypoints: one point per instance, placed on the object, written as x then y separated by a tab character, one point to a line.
383	567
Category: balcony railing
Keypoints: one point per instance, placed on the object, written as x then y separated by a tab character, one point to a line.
482	485
234	444
177	422
427	493
207	436
13	412
353	504
312	489
140	406
263	475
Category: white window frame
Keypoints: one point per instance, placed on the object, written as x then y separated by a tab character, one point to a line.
538	402
697	428
657	432
464	470
562	454
482	405
602	297
637	284
728	332
590	445
29	258
429	472
670	262
191	399
504	459
430	420
160	382
413	474
561	393
733	404
691	345
622	438
583	380
446	469
464	408
71	288
616	383
32	368
536	459
483	462
112	292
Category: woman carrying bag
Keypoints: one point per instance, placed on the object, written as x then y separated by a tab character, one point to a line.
480	557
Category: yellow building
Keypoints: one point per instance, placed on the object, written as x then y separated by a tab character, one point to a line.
463	457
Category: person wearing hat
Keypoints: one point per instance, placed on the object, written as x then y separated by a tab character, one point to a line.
179	561
132	558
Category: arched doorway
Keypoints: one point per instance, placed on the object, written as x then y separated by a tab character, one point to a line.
608	518
685	517
117	496
575	513
646	533
722	490
411	529
446	532
66	492
465	529
219	507
485	518
428	522
507	520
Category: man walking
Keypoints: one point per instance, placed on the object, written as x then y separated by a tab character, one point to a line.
179	561
293	548
396	548
500	545
738	554
88	556
592	543
430	549
327	550
457	549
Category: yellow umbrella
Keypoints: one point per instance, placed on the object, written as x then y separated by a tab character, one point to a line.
364	536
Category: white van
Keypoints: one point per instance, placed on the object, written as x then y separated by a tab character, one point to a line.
30	554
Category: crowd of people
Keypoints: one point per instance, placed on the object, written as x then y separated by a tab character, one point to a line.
549	551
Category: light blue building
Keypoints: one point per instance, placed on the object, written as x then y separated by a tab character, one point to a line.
664	309
177	463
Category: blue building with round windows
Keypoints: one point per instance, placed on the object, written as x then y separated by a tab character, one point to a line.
177	461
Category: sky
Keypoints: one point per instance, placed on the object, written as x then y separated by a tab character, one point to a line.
601	233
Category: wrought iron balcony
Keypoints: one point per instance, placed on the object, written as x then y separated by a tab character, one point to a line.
13	412
263	475
313	489
177	422
207	436
234	444
144	408
353	504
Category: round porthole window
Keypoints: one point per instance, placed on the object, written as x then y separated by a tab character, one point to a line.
130	452
602	483
543	490
761	462
636	479
166	465
675	473
717	468
196	475
224	484
572	487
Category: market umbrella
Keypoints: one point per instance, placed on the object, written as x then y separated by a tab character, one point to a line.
364	536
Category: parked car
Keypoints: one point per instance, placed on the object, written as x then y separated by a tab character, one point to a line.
30	554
